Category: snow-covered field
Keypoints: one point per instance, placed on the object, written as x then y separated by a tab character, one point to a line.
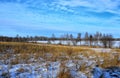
70	64
45	69
78	66
64	42
36	70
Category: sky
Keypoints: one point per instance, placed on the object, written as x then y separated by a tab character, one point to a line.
45	17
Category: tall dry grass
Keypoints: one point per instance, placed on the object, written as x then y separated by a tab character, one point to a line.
25	51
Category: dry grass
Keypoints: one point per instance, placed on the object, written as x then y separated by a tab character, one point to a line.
40	48
64	75
24	51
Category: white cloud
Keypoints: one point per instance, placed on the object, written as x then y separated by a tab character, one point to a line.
18	15
92	5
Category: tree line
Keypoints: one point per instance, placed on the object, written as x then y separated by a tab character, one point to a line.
97	39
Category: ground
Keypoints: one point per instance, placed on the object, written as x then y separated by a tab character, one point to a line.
28	60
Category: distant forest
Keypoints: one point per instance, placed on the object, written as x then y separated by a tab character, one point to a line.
107	40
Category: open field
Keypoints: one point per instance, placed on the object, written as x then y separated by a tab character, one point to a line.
32	60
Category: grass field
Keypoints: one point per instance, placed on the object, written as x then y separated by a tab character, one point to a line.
85	57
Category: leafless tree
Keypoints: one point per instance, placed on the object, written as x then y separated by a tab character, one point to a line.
79	38
91	40
86	38
107	41
53	37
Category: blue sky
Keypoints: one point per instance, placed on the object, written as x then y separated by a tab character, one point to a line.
44	17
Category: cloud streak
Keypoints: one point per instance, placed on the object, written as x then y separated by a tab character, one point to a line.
93	5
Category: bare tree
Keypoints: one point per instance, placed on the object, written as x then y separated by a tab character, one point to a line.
86	38
53	37
67	36
104	41
91	40
110	41
73	41
68	39
96	39
79	38
71	37
107	41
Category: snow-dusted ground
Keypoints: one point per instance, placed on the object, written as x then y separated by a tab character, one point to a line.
102	49
30	70
110	72
79	66
45	69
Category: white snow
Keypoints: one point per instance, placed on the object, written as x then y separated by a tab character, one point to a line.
31	70
68	42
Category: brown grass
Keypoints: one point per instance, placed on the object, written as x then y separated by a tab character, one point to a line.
64	75
40	48
24	51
